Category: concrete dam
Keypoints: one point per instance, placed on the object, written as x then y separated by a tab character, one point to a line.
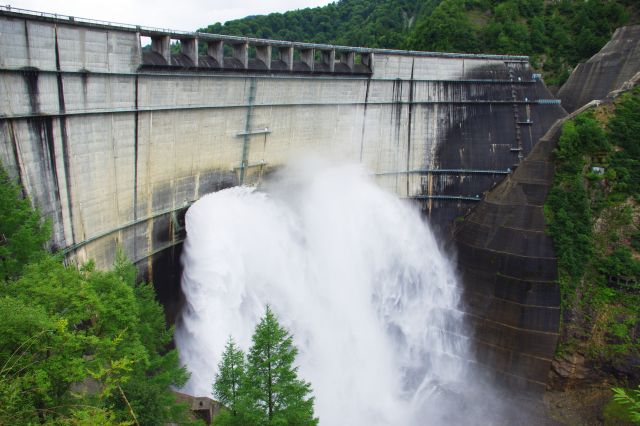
113	141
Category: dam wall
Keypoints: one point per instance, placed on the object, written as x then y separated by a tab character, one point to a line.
113	133
113	148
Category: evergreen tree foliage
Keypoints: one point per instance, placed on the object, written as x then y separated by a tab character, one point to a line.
273	391
23	233
629	400
270	392
231	373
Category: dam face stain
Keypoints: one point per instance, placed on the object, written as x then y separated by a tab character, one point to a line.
411	83
42	129
30	76
66	157
364	118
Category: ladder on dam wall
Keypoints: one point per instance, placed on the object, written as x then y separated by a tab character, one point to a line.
516	114
247	130
246	136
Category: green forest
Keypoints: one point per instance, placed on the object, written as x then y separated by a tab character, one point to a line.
78	346
556	34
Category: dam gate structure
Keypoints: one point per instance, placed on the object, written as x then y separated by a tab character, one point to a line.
113	140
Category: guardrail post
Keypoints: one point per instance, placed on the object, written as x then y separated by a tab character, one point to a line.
215	49
263	53
307	56
286	56
241	53
161	45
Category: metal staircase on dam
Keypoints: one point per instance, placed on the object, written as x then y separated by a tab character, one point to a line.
516	114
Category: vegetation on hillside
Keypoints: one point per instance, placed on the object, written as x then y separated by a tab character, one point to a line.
593	218
557	34
77	346
371	23
629	400
22	233
264	389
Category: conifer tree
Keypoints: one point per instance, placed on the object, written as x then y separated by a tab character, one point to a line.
231	373
272	393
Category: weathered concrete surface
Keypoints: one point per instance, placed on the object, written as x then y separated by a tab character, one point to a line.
114	149
510	275
112	152
617	62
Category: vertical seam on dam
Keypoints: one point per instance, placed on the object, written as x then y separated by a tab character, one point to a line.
26	38
16	156
63	133
49	139
247	129
364	117
135	151
409	124
135	160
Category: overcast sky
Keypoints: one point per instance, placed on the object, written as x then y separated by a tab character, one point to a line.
186	15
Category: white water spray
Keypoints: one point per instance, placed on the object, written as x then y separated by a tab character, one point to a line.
355	275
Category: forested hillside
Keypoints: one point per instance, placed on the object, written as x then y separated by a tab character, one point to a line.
371	23
556	34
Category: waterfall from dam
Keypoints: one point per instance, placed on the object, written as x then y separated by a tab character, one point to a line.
351	270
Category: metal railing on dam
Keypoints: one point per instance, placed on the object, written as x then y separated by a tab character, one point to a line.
113	142
313	57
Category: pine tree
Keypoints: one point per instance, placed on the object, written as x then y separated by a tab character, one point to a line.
272	393
231	373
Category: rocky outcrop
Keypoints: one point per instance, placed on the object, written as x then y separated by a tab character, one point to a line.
609	69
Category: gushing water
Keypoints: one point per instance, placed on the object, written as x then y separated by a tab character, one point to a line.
352	271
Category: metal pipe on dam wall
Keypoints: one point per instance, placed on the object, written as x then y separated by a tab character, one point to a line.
113	142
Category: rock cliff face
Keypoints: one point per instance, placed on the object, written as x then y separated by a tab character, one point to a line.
617	62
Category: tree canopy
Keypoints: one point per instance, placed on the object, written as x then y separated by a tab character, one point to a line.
268	391
22	232
78	346
557	35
